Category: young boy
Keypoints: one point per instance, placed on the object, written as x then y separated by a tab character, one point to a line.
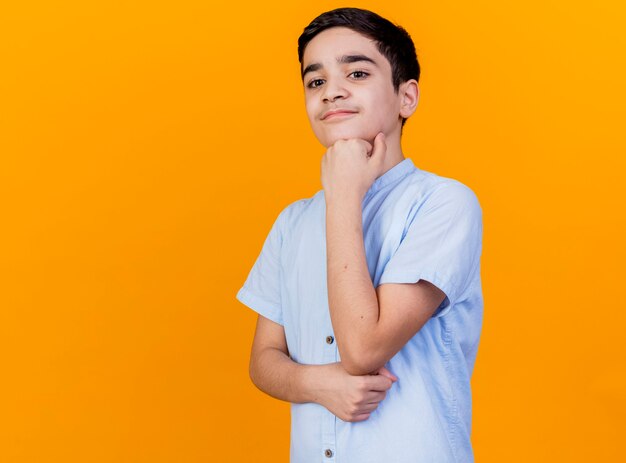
369	293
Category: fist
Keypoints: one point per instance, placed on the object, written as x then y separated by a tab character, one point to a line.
349	167
354	398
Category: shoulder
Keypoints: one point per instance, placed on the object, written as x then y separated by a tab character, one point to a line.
433	191
295	211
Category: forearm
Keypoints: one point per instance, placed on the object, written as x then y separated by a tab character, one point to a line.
352	298
276	374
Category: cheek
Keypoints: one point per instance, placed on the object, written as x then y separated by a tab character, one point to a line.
310	108
308	115
389	113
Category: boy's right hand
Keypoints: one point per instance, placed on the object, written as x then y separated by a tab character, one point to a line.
352	398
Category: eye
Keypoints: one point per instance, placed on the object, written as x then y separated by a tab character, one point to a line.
315	83
359	74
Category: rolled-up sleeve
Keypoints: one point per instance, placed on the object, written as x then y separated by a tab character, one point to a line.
442	245
261	290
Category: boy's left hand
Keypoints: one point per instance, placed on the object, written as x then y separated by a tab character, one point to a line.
349	167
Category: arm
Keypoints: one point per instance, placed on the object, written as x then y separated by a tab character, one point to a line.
351	398
370	325
271	369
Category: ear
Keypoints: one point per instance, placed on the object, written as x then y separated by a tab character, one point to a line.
410	94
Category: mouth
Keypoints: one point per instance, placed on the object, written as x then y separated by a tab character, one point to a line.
337	113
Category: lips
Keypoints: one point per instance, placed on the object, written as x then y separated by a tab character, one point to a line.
337	112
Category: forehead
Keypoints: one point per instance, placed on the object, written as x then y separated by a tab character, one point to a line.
332	43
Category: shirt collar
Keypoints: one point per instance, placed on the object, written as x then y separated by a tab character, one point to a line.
394	174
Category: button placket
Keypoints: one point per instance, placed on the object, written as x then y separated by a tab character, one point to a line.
329	421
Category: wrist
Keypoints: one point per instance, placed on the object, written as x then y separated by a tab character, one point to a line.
312	382
344	199
307	383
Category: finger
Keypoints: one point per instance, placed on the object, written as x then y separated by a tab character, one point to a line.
368	408
361	417
379	383
383	371
375	396
380	147
367	146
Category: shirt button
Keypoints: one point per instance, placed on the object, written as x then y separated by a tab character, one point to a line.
330	340
328	453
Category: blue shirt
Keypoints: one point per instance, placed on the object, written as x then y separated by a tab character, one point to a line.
416	225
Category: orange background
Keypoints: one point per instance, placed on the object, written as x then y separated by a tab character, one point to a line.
147	147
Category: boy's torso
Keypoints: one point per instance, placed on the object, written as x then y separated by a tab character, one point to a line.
426	416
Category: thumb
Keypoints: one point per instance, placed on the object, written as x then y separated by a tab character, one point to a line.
384	372
380	147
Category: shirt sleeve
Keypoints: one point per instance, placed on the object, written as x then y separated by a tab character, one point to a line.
442	245
261	290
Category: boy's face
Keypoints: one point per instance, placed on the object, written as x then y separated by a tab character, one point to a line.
345	71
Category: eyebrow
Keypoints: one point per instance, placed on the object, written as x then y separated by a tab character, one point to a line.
345	59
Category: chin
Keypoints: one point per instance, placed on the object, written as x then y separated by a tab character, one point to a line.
329	138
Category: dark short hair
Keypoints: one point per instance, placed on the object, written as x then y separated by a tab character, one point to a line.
393	42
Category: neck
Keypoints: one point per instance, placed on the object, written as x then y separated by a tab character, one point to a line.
394	154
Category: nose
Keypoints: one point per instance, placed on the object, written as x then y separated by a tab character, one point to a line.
333	91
